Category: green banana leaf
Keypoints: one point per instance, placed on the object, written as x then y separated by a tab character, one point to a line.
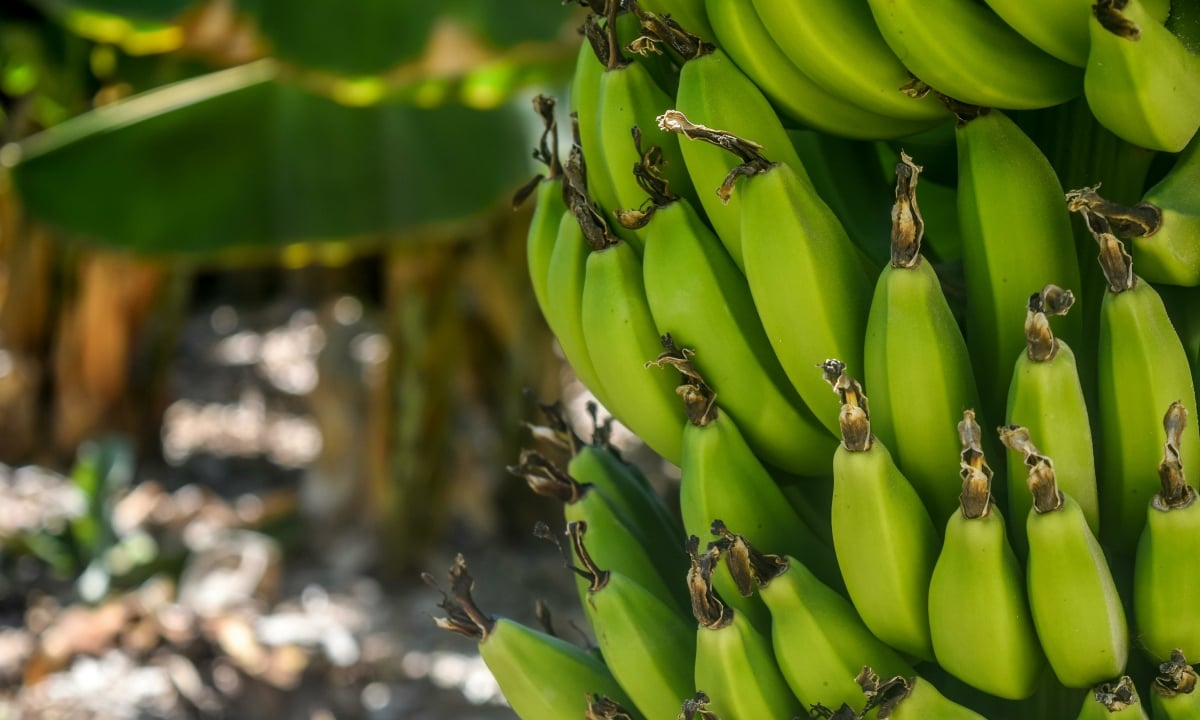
242	158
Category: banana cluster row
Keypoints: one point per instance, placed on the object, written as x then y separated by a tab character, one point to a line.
731	289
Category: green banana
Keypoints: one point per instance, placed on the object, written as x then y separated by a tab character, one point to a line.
916	361
1164	228
542	677
622	546
886	544
788	233
1059	27
815	36
722	478
820	641
735	666
1046	397
1142	369
584	102
550	204
1166	576
630	98
745	39
566	271
909	698
979	617
1016	239
1173	693
1078	615
1141	81
964	50
712	89
621	336
648	645
1109	698
697	295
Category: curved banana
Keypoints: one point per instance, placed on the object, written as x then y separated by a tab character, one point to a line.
820	642
1164	228
584	102
964	50
1173	694
1059	27
1078	615
721	477
648	645
815	36
699	298
630	98
909	698
979	617
1166	570
740	32
550	203
1106	700
542	677
580	227
886	544
620	546
1046	397
1141	81
915	359
621	336
1016	239
789	234
1143	368
735	666
712	89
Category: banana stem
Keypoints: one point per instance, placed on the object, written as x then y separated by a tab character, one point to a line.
659	29
1108	12
591	221
1040	343
546	151
1176	493
1175	677
648	173
749	567
1141	220
1042	482
748	151
463	616
1115	261
855	416
696	708
546	478
975	501
908	228
1116	696
699	399
708	608
596	577
604	708
883	694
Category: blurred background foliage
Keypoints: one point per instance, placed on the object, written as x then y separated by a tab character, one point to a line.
164	163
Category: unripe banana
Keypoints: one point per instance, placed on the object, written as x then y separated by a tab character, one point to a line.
1078	615
630	98
620	545
1142	369
1116	700
743	36
735	666
542	677
621	336
979	617
820	642
550	201
1059	27
885	542
962	49
916	361
722	478
1173	693
909	698
648	645
712	89
1047	398
1141	81
584	102
816	35
1164	228
1166	571
788	233
699	298
1016	240
566	272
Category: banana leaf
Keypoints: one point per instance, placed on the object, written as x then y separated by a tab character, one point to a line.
244	158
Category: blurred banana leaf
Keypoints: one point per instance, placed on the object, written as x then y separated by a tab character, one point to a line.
243	158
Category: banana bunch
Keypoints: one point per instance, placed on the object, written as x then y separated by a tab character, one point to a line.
711	251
